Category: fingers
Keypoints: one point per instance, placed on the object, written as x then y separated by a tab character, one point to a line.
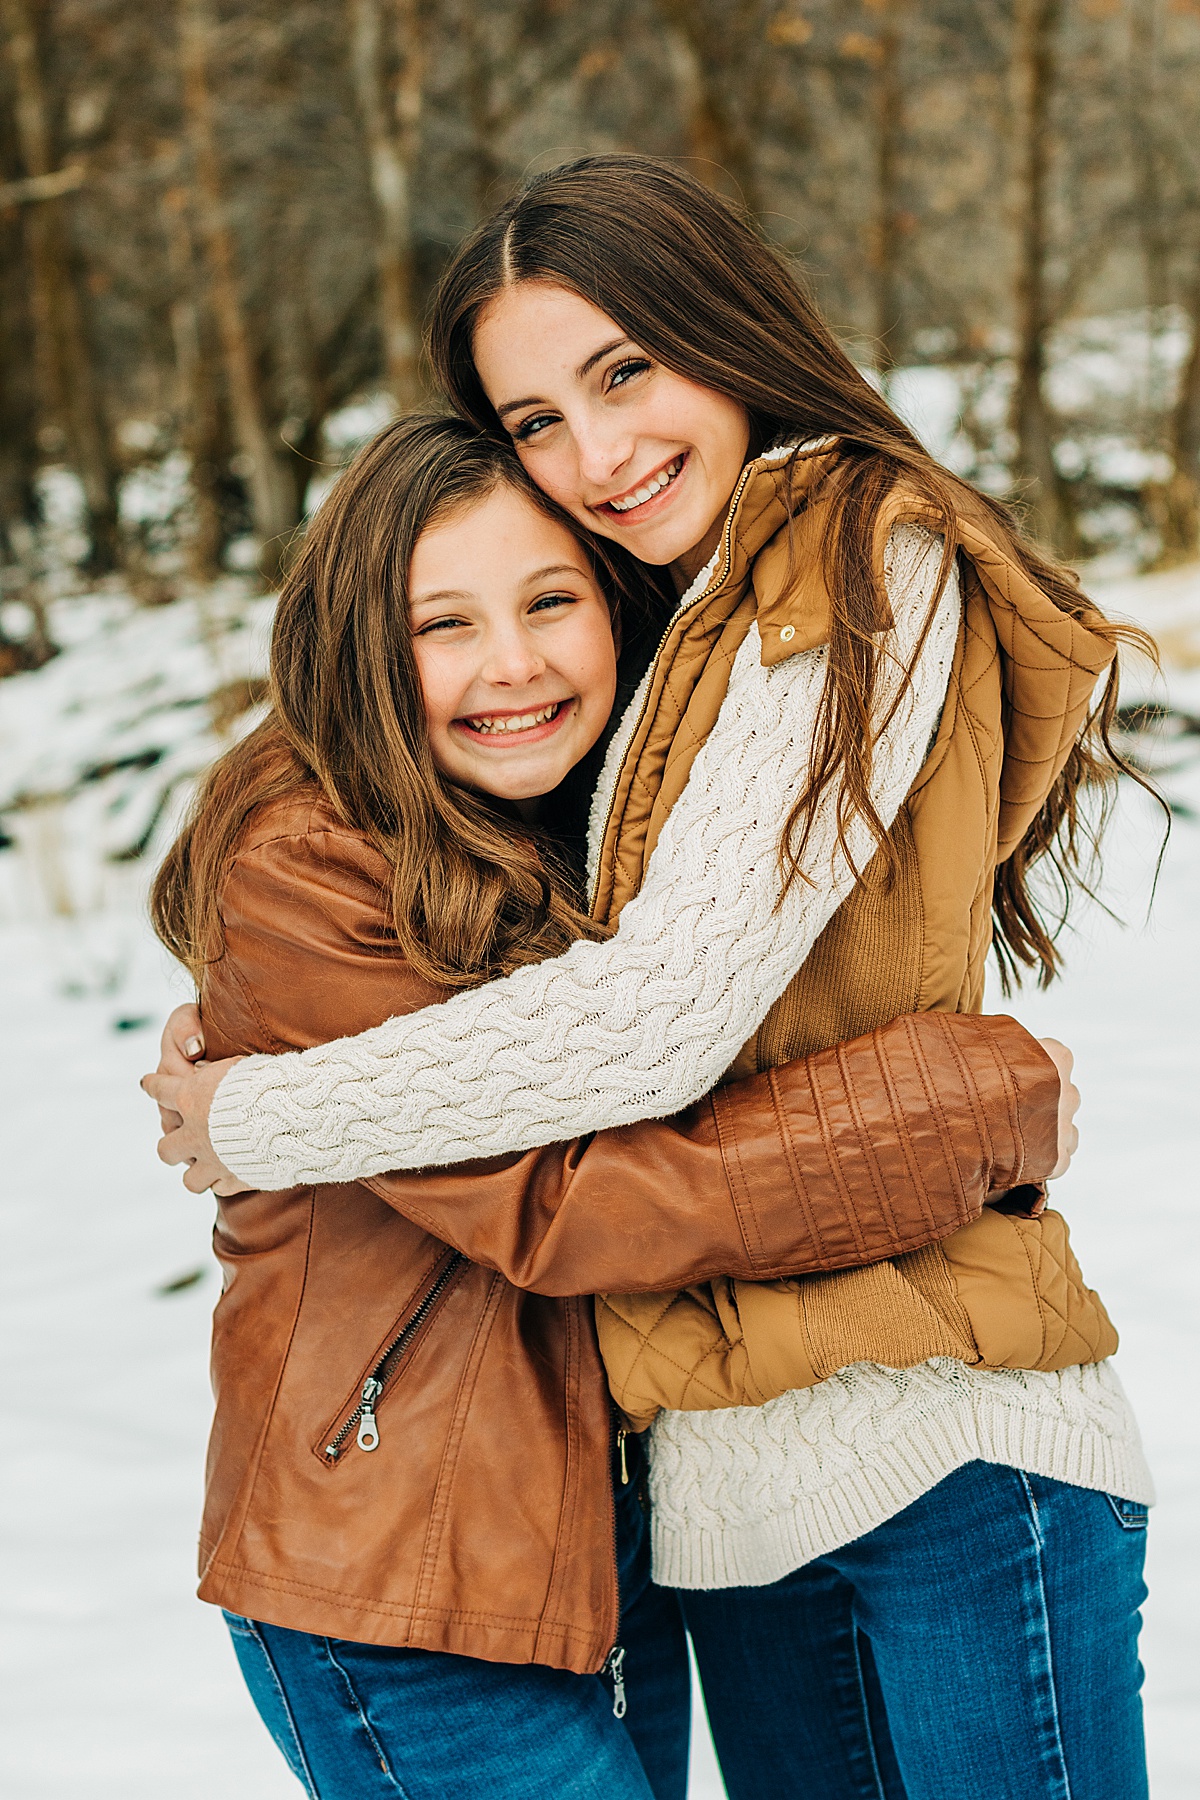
167	1090
201	1168
176	1148
182	1040
183	1102
199	1178
1068	1105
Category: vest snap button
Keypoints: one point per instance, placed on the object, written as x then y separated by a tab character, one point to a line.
788	633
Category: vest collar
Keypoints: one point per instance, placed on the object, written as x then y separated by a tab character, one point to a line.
769	490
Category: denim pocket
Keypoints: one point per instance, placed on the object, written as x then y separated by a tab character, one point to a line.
1131	1515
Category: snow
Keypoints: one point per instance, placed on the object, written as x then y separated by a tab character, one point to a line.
117	1683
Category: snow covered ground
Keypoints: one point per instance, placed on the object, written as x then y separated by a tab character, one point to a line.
117	1684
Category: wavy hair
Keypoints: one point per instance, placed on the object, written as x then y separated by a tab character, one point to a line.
691	281
474	893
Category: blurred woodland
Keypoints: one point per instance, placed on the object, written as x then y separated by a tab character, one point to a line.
220	221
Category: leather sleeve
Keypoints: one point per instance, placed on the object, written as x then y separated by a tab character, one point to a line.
858	1153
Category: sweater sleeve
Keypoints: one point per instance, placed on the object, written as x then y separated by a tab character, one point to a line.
644	1024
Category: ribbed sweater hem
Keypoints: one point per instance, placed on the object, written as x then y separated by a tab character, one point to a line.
234	1123
978	1429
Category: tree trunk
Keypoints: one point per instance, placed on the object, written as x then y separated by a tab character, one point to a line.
66	375
716	132
18	404
484	116
1035	27
1151	215
1177	504
887	226
272	504
1174	505
199	399
392	134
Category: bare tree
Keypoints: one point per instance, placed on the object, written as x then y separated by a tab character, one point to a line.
65	362
1168	199
881	50
723	65
198	406
516	55
1149	209
1177	504
272	499
1034	68
890	220
387	35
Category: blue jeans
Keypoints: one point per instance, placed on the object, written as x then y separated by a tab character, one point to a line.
367	1722
981	1643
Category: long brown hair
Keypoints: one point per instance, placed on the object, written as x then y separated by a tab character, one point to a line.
473	892
692	282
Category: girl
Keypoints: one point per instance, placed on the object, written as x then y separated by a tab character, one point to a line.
870	716
409	1515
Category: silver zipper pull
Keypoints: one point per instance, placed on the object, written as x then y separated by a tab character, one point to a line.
616	1667
368	1430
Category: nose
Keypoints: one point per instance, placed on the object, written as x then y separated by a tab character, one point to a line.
511	660
604	446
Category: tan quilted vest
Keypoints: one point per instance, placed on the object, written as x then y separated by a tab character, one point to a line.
1005	1292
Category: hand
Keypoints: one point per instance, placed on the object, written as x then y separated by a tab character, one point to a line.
181	1044
182	1041
1068	1105
188	1097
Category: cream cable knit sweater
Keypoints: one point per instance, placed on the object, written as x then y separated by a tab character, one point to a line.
645	1023
743	1496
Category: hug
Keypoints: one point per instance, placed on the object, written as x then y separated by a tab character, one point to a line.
631	1228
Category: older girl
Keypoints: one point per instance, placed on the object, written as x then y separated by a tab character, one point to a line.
870	716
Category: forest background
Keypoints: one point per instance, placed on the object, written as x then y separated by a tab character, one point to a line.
220	224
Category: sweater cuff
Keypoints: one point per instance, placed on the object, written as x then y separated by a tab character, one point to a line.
240	1134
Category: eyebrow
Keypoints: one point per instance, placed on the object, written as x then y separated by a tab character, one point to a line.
553	569
443	594
584	369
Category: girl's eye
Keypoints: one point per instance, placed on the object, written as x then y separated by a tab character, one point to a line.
546	601
623	371
438	625
532	427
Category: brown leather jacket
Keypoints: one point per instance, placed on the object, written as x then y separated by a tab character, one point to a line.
413	1430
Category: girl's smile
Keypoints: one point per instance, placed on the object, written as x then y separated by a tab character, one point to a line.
640	498
628	447
510	726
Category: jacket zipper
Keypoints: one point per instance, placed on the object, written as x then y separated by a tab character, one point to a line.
816	446
363	1415
614	1662
722	574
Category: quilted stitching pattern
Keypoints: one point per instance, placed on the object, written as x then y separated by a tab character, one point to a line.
1076	1328
678	1352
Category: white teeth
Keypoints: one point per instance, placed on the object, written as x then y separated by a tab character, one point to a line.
486	727
651	488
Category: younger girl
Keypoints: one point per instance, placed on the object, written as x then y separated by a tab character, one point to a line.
409	1517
